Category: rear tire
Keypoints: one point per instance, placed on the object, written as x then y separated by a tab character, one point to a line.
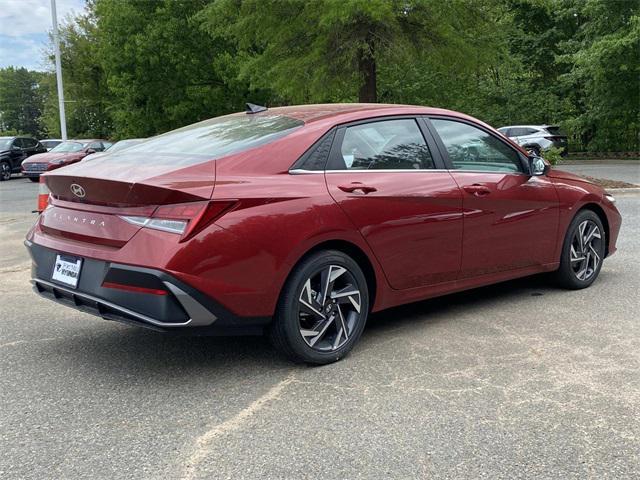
34	179
583	251
322	309
5	171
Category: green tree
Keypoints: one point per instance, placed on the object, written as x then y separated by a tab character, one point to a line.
21	101
604	60
162	70
333	50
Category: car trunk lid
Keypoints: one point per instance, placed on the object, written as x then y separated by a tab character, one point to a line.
94	201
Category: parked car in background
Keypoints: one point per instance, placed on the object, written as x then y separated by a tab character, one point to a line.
66	153
13	150
50	143
299	221
537	138
116	147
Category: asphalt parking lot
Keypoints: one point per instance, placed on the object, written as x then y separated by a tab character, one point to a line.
622	170
518	380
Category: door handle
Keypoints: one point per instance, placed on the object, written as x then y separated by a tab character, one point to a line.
477	189
357	186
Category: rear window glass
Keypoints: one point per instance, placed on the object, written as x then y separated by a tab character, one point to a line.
555	131
212	138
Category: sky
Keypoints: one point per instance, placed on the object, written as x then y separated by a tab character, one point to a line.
24	27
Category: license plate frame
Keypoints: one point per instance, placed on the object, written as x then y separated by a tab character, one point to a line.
67	270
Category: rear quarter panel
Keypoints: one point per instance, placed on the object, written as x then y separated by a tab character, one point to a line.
278	219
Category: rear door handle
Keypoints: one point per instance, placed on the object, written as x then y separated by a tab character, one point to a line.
357	186
477	189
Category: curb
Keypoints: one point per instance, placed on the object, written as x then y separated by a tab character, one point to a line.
624	190
613	161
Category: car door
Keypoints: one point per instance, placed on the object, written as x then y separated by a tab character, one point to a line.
18	153
29	146
395	190
510	217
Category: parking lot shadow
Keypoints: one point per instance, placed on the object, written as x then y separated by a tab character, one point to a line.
434	310
142	352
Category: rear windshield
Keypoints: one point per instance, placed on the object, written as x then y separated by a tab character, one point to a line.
212	138
555	131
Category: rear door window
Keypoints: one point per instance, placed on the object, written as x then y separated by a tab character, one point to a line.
385	145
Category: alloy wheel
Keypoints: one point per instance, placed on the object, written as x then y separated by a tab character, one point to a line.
586	250
329	308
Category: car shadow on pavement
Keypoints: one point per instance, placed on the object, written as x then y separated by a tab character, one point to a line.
135	351
434	310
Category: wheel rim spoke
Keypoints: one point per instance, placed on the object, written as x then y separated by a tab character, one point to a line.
329	307
585	252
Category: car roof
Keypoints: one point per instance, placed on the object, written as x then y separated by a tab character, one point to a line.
526	126
335	113
84	140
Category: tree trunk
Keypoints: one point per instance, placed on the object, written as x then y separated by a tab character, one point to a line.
367	69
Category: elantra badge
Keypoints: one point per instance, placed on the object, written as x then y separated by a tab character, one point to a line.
77	190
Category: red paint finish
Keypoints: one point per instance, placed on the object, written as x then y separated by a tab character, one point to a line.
411	220
423	233
512	222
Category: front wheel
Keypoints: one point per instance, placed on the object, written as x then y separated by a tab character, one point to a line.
583	251
322	310
5	171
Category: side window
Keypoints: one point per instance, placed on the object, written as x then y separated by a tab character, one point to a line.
528	131
315	158
29	142
97	146
18	143
385	145
470	148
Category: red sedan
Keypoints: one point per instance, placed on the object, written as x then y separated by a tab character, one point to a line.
65	153
300	221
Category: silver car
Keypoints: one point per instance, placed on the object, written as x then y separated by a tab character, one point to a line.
536	138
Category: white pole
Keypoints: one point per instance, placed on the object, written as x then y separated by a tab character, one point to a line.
56	46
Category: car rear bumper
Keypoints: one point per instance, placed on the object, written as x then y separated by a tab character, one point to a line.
180	308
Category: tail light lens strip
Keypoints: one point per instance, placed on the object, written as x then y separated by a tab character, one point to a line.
184	219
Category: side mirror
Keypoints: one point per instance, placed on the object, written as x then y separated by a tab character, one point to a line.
538	166
90	151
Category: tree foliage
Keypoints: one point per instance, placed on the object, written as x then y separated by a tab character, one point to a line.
138	68
21	101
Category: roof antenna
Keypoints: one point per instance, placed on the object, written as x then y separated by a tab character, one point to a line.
253	108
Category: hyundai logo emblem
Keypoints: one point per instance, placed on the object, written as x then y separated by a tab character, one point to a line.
77	190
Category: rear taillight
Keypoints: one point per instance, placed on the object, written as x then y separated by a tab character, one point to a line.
185	219
43	195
